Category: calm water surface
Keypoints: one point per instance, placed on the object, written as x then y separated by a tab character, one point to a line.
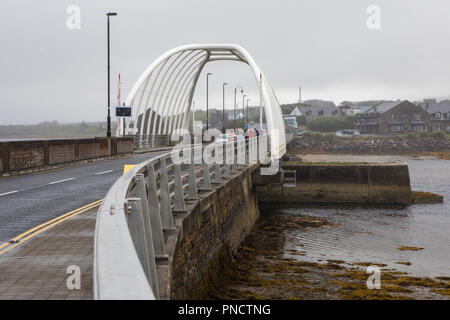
373	234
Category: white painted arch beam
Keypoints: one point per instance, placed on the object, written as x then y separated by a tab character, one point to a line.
175	113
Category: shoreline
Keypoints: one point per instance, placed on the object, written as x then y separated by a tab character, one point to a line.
264	269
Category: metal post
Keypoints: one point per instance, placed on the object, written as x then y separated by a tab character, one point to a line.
142	239
235	105
166	208
179	205
243	109
217	173
192	188
154	213
206	185
108	119
223	107
207	99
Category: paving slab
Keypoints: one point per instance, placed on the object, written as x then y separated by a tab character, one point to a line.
38	269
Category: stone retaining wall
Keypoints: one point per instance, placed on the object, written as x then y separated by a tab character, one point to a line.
20	155
377	145
219	221
329	183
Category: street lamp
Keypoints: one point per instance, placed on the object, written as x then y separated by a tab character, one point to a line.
207	101
108	119
247	112
223	107
243	109
235	104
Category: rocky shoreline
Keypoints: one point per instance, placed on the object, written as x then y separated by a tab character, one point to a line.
381	146
263	269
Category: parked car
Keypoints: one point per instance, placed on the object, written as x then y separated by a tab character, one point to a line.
226	137
300	133
347	133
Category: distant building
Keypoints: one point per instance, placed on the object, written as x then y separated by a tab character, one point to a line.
394	118
290	122
353	110
237	116
440	115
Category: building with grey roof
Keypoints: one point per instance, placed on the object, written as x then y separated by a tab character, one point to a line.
394	118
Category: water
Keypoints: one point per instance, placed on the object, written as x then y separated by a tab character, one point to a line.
373	234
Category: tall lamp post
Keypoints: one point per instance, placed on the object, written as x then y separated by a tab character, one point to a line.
243	109
247	112
207	99
223	107
235	104
108	119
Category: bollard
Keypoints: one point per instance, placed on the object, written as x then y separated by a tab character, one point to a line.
179	205
166	209
142	239
154	213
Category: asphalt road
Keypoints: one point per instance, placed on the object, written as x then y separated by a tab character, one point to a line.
29	200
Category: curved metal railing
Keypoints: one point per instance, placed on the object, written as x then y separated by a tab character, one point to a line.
139	207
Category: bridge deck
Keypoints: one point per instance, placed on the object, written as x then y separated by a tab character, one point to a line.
38	269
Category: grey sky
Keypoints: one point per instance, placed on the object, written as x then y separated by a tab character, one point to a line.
52	73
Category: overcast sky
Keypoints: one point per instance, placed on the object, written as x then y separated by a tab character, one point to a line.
49	72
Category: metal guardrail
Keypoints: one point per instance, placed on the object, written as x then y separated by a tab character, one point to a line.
150	140
139	207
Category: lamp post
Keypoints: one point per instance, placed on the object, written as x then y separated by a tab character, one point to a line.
207	101
235	104
223	107
243	109
247	111
108	119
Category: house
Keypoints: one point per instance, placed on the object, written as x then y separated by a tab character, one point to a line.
318	111
290	122
310	111
353	110
440	115
394	118
295	112
233	116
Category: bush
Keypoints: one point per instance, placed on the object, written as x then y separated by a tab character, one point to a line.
316	136
329	124
438	135
330	137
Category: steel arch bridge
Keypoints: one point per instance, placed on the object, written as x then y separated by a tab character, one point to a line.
162	96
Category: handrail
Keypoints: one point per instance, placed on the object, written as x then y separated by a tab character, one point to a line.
135	213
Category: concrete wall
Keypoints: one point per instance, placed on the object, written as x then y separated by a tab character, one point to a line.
20	155
216	224
366	183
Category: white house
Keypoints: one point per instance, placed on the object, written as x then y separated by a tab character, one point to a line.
295	112
239	115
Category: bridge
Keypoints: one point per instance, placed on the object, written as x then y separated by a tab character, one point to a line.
162	96
141	213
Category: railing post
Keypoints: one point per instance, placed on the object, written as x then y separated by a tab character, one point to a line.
154	213
179	205
217	173
142	239
206	185
192	189
166	208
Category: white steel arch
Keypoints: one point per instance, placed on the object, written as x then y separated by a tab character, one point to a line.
172	80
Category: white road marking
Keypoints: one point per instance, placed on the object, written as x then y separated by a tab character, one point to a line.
10	192
64	180
103	172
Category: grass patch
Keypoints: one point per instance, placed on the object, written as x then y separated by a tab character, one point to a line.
409	248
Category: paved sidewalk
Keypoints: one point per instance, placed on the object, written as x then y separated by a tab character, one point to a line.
38	269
